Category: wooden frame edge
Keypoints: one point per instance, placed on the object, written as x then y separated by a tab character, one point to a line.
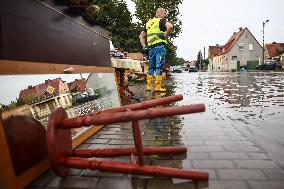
10	67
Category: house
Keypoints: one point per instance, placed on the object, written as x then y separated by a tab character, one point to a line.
241	50
275	51
212	52
47	96
77	86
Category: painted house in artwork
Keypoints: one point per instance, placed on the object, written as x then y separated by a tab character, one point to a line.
47	96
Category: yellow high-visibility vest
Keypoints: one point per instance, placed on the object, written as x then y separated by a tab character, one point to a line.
153	30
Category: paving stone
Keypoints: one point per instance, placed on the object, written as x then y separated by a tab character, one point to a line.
42	181
121	142
209	164
173	163
169	183
114	129
216	184
96	141
245	143
121	183
266	184
84	145
242	148
192	142
112	137
241	174
205	149
228	155
255	164
97	173
75	172
100	146
196	155
258	156
274	174
219	143
108	132
73	182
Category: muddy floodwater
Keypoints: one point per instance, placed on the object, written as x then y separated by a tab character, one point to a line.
253	99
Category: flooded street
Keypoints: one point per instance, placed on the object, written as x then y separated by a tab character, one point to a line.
251	99
238	140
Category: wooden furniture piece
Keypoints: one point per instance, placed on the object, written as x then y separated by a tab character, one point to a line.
62	157
13	176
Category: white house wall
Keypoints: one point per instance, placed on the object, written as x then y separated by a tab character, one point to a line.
245	55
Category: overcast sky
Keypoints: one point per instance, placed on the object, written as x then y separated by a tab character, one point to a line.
208	22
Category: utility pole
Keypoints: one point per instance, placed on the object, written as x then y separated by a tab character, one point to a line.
203	57
263	24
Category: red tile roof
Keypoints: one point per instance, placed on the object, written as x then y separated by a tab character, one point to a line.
40	90
214	51
274	49
77	86
233	39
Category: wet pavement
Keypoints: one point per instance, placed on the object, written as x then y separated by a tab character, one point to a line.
239	140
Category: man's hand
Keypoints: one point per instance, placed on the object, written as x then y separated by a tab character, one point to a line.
163	36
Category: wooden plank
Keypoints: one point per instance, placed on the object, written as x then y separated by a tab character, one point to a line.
10	67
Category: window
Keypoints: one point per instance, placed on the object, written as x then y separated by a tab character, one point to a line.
251	47
234	58
241	46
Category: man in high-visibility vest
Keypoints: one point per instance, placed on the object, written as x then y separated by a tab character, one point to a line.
156	31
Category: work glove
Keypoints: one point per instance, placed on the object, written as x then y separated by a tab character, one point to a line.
163	36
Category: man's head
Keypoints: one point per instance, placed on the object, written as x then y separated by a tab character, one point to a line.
161	13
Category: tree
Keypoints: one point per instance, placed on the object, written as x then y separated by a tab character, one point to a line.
116	17
199	64
206	63
180	61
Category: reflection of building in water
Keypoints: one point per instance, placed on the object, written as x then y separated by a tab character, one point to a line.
45	97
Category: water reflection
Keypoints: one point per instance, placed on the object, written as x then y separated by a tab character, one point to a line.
250	98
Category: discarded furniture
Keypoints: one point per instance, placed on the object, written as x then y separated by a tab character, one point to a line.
62	157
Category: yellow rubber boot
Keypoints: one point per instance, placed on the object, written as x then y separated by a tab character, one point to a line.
149	82
158	83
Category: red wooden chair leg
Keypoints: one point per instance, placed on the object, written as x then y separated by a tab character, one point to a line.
60	142
129	168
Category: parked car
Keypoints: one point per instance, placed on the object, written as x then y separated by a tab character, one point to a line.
83	98
192	69
268	65
177	69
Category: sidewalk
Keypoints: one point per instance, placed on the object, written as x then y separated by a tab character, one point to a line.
217	146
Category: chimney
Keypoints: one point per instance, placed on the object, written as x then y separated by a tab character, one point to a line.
240	28
234	33
47	81
217	45
30	87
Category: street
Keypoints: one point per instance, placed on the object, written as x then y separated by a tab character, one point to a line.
238	140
